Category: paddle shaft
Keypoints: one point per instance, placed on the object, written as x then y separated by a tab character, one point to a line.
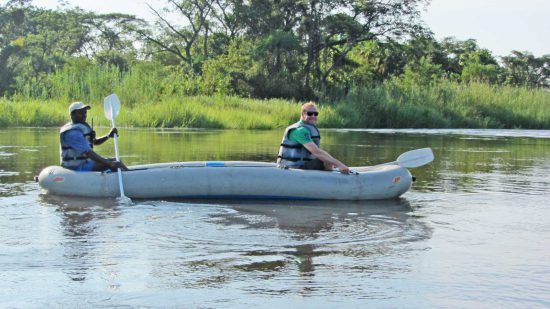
117	156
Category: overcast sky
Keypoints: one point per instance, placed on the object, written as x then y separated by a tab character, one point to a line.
498	25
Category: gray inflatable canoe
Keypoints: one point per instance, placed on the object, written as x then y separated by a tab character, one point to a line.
234	179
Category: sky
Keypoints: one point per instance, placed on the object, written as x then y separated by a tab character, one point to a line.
498	25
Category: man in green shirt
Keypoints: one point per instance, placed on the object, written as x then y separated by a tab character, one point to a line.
301	145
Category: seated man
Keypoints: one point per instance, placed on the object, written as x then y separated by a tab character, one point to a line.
301	144
77	141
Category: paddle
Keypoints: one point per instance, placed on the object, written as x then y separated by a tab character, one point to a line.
111	105
414	158
409	159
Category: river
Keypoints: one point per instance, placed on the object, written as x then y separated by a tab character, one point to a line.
473	232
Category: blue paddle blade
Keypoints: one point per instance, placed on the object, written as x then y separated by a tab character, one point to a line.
111	105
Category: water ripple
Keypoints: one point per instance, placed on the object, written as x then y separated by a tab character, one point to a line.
270	242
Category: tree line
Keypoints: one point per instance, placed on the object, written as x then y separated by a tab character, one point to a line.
294	49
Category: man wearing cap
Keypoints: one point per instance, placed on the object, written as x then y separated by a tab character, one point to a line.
301	145
77	140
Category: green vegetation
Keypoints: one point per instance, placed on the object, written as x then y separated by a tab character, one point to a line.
235	64
441	105
446	104
189	112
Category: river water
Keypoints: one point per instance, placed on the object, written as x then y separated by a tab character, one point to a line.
473	232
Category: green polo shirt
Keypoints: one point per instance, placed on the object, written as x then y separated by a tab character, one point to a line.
300	135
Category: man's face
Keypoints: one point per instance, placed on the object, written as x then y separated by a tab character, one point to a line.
79	115
309	115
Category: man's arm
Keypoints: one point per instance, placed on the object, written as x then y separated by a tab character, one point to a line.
104	138
76	140
326	157
106	162
94	156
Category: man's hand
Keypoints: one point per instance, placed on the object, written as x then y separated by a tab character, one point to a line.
113	132
114	165
343	169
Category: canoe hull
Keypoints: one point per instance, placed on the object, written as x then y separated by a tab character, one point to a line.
229	180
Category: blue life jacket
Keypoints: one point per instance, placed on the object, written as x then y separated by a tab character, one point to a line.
70	158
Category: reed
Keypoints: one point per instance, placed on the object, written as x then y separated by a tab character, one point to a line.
217	112
32	113
445	104
393	104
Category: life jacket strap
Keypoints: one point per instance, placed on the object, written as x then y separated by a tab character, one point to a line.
74	158
294	159
292	146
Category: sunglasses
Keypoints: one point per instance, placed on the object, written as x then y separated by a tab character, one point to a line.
80	111
312	113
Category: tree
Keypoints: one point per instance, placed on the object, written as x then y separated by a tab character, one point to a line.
231	73
333	28
454	49
422	72
328	30
522	68
36	42
180	40
13	26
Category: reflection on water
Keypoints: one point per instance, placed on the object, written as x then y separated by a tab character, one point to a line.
80	220
215	244
476	217
324	228
317	230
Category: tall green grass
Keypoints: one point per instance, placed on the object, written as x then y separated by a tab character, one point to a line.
186	112
159	96
32	113
445	104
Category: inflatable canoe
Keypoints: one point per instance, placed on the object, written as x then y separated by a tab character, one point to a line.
238	179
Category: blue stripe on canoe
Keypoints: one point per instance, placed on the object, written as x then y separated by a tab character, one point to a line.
215	163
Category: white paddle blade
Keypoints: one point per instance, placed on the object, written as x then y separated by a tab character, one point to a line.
124	200
415	158
111	106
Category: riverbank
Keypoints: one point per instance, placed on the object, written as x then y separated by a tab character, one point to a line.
392	104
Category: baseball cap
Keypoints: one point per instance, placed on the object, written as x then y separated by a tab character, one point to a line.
77	105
